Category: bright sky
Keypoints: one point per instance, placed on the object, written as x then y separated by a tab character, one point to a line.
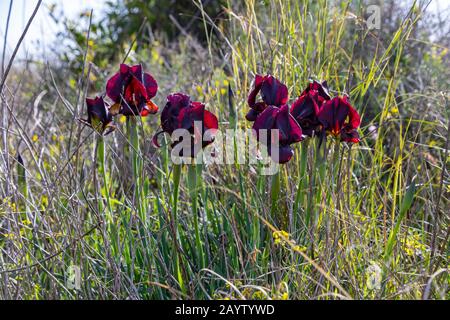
42	28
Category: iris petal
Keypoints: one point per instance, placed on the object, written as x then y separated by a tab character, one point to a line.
251	115
210	120
114	87
169	116
333	117
321	88
285	154
150	85
256	87
132	89
290	131
273	92
99	116
350	135
136	71
266	120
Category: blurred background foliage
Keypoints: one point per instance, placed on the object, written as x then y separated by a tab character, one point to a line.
137	22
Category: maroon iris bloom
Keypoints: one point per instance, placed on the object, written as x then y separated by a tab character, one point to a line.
289	131
131	89
99	117
321	88
306	108
182	113
340	119
273	93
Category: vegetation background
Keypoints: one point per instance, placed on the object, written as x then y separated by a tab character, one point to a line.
371	222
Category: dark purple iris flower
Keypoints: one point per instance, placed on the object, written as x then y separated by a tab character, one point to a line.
99	117
306	108
182	113
272	91
131	89
289	131
340	119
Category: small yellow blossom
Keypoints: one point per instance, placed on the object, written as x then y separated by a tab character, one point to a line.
280	237
258	295
9	236
44	202
35	138
394	110
199	90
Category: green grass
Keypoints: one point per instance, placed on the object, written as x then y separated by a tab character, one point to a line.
336	220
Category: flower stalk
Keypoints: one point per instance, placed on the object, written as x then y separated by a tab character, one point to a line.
176	188
194	181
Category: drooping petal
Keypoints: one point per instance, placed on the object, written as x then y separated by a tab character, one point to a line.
114	87
150	85
149	108
290	130
335	112
350	135
305	110
96	108
144	112
256	87
332	116
305	106
169	116
210	124
210	120
251	115
266	121
99	117
285	154
353	115
256	110
273	92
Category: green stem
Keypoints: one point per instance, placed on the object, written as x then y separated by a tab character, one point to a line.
102	169
136	163
193	183
274	193
302	182
176	189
